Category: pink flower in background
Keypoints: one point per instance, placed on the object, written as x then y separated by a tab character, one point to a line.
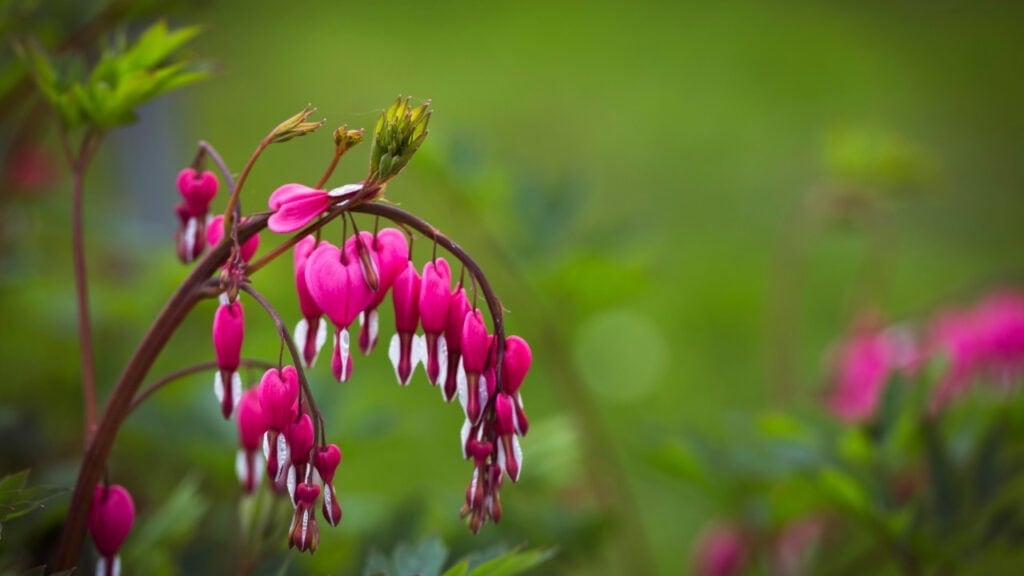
111	517
720	550
986	341
197	191
458	308
793	549
861	369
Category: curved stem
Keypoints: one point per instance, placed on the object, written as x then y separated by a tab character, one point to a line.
187	371
229	210
286	337
404	218
165	324
207	149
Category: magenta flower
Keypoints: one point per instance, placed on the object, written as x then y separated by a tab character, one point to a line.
406	349
215	232
458	308
391	252
304	533
434	299
311	331
518	358
720	551
336	284
197	190
326	462
296	205
862	366
300	437
110	520
510	455
278	394
251	428
475	348
228	332
190	237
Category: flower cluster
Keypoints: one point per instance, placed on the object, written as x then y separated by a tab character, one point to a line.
984	342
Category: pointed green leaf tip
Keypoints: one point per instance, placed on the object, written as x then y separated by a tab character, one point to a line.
400	131
126	76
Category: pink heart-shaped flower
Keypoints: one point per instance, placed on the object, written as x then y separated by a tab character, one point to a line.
337	288
294	206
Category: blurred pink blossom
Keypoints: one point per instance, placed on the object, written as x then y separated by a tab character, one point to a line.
720	550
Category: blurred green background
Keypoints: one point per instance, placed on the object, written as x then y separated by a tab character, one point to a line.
681	206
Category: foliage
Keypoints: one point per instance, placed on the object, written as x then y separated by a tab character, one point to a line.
427	558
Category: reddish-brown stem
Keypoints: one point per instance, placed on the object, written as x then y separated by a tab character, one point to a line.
229	210
188	371
330	169
97	450
79	163
404	218
207	149
286	337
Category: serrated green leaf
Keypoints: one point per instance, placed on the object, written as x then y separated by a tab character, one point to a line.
425	559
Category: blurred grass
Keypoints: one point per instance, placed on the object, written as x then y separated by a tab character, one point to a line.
635	167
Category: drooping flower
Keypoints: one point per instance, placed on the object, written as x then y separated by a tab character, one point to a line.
304	533
391	252
197	191
406	349
475	347
278	395
336	284
458	308
110	520
510	455
251	428
296	205
215	232
301	437
720	550
311	331
326	462
516	364
228	333
434	300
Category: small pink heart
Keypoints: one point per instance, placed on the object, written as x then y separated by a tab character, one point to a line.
110	518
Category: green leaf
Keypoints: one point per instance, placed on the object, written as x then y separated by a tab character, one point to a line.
515	562
460	569
425	559
17	500
844	490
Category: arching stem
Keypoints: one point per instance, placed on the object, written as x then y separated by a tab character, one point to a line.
286	337
188	371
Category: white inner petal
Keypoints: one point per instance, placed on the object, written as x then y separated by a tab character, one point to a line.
241	466
462	386
442	362
218	387
345	190
327	506
395	354
301	332
321	338
291	484
419	353
343	343
466	426
190	238
501	456
236	389
283	456
266	444
223	299
518	452
374	325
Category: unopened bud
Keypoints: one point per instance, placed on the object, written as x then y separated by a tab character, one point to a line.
296	126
